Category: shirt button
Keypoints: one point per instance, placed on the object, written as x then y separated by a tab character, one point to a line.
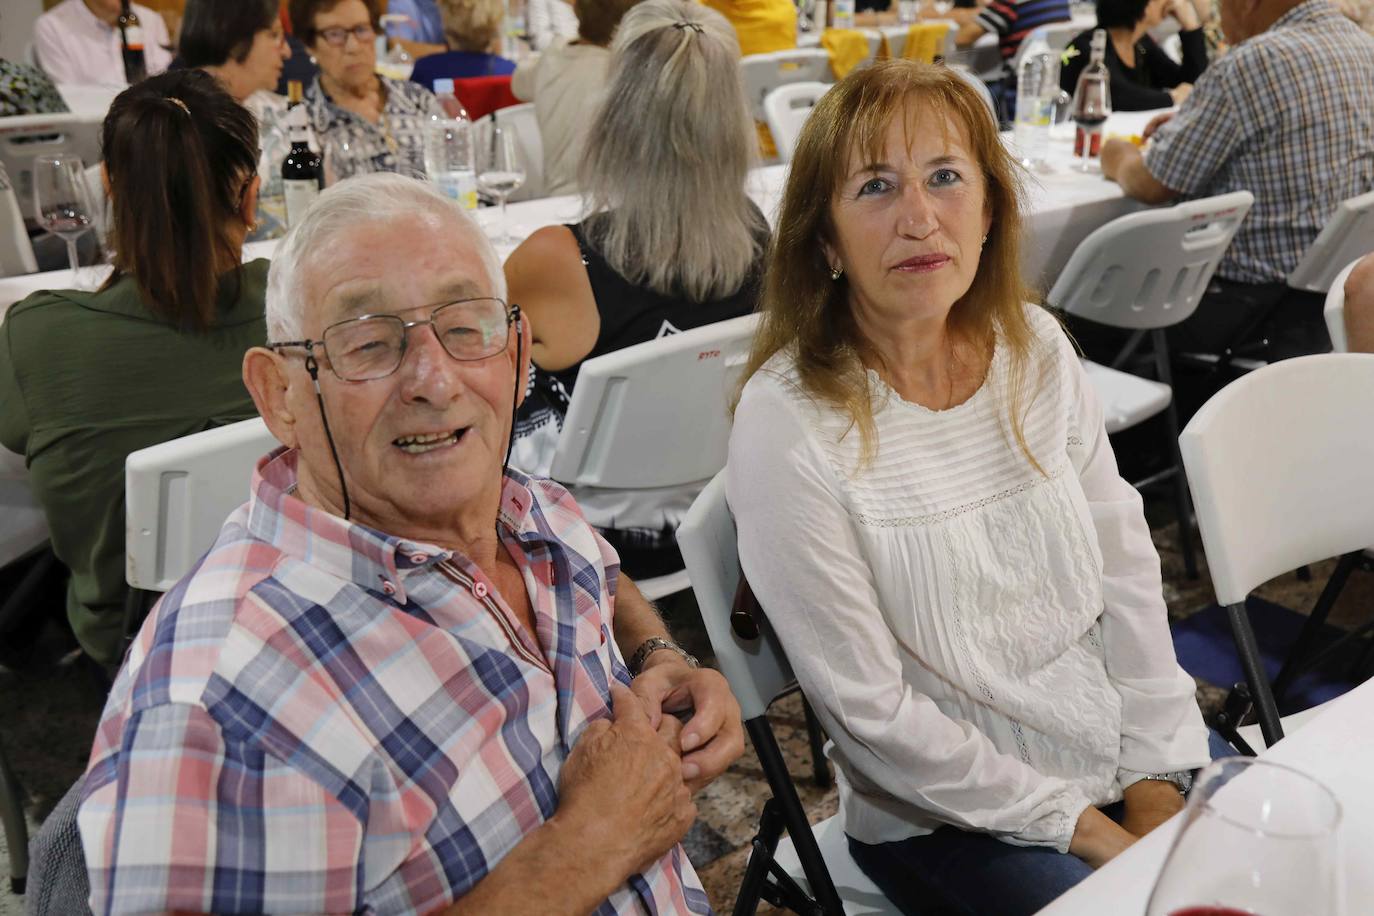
480	589
388	587
418	558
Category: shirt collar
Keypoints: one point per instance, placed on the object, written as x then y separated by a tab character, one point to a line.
88	19
352	551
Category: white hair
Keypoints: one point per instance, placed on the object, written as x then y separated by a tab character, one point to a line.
355	204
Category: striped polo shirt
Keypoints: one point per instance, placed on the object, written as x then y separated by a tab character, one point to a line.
1013	20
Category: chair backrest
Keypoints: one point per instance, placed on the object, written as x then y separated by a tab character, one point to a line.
977	83
786	109
1057	35
25	137
521	119
1281	467
58	883
1334	310
757	669
178	494
1148	269
16	253
655	414
896	36
1347	235
763	73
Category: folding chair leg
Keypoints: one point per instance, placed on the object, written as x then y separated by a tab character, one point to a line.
16	829
815	735
1302	646
1182	504
1265	707
764	844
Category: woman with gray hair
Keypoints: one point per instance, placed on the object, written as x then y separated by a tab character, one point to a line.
671	241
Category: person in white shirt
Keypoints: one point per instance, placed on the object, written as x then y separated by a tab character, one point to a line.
77	42
931	516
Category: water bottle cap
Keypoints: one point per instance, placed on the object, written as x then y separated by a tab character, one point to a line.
442	86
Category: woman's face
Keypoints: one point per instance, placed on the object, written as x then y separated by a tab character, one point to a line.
261	69
909	224
353	60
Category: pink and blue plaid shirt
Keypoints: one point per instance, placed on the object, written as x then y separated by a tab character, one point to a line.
324	718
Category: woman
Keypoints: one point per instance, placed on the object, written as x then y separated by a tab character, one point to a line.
473	29
154	354
672	242
239	42
930	513
365	122
1142	75
565	84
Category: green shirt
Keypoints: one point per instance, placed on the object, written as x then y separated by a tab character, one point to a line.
88	377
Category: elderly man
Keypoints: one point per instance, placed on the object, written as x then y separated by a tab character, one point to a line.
395	682
1284	114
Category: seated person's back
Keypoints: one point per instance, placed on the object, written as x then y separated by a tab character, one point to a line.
1143	76
472	27
154	353
1012	20
664	162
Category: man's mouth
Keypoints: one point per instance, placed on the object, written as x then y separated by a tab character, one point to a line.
420	443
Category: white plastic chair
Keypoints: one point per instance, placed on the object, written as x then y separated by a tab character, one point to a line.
178	494
27	136
1145	272
896	36
762	73
1347	236
531	143
652	417
786	110
1334	311
823	876
16	252
1281	465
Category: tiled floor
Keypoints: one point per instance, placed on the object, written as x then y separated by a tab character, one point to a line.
47	716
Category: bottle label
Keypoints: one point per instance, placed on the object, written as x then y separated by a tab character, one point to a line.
300	194
459	186
844	14
133	37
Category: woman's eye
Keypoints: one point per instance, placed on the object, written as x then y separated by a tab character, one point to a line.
872	186
944	177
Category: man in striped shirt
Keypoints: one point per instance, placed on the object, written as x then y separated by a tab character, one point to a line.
396	683
1011	21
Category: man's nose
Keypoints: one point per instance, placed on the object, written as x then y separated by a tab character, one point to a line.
428	374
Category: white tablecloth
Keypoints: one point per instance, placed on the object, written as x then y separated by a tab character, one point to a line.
1336	747
89	101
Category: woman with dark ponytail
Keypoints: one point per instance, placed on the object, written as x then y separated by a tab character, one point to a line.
88	377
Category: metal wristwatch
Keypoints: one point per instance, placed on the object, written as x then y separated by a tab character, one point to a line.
1181	779
652	645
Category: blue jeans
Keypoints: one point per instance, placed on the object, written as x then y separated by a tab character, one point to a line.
958	871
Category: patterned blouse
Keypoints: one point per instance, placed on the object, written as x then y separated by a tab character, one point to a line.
353	145
26	91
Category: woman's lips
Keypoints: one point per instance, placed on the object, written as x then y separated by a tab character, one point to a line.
923	263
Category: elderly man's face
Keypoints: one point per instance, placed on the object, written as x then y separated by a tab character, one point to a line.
404	267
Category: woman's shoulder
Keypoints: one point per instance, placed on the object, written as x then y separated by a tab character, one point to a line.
410	95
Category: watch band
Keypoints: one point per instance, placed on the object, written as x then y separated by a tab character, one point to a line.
652	645
1181	780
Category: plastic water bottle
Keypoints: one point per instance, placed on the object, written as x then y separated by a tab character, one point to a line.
1037	90
844	14
908	11
449	149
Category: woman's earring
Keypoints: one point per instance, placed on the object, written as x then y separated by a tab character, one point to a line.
984	241
836	273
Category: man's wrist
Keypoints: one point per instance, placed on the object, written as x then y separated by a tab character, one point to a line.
658	650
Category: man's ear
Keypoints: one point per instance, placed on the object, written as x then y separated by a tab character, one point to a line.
265	377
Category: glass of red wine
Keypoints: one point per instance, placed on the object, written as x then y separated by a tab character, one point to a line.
1258	839
61	199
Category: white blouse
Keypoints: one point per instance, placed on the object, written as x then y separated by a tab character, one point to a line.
986	645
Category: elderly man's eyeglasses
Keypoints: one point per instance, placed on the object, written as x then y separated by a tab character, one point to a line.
338	36
373	346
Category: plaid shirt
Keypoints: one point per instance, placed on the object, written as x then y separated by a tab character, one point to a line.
324	718
1287	115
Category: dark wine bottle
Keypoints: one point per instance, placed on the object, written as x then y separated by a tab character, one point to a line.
301	173
131	43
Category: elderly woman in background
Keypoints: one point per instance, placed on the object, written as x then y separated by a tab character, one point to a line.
565	84
364	121
240	43
931	515
154	354
473	30
1143	75
672	240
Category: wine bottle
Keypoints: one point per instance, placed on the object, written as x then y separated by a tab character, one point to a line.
131	43
301	173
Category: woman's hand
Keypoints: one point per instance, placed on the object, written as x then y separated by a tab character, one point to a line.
1098	839
1180	92
1149	803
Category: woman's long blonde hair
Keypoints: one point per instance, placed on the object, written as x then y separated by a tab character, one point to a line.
808	315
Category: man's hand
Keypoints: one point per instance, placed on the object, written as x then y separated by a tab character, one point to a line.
621	794
1114	153
713	737
1149	803
1097	839
1156	123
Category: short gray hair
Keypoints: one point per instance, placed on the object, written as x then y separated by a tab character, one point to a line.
668	153
361	201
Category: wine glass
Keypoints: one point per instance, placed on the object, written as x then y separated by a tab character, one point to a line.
1257	837
60	197
500	171
1092	104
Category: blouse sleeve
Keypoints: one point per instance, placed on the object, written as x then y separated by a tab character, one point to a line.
1161	726
801	554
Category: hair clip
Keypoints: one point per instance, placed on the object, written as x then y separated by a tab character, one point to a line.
180	104
694	26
